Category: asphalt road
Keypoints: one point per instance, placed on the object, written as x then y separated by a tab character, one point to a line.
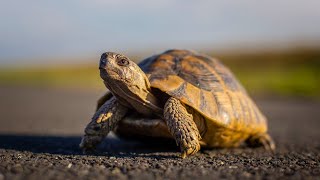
40	130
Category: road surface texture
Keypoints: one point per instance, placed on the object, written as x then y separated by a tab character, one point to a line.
41	128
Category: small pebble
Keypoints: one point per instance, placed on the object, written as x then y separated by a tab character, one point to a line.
116	171
69	166
233	167
161	166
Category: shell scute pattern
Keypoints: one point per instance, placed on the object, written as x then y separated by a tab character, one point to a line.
206	85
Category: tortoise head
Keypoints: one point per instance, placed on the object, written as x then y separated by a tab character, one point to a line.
125	80
117	67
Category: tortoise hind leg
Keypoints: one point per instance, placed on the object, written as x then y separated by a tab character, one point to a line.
182	127
261	140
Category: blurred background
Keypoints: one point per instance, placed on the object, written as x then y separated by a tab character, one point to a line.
49	53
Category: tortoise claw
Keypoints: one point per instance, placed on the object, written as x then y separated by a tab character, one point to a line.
192	148
89	151
183	155
88	144
262	140
268	143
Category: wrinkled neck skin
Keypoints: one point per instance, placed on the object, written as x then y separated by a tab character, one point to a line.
134	92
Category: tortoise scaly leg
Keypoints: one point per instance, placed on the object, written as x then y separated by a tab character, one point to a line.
262	140
103	121
182	127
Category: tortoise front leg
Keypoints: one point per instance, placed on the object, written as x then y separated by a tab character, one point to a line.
103	121
182	127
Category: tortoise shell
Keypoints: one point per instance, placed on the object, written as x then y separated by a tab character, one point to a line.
206	85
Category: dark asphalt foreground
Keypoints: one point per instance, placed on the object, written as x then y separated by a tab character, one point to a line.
40	131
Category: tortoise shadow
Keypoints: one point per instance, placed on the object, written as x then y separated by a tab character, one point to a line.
69	145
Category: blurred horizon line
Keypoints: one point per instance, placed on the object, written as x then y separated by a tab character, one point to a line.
235	48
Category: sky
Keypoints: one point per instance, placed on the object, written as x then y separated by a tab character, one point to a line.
35	30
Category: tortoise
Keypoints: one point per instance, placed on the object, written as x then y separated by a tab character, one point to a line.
179	94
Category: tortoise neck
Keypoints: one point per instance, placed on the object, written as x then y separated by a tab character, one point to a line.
152	103
136	96
145	103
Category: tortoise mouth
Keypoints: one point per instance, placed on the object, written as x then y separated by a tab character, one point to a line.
108	74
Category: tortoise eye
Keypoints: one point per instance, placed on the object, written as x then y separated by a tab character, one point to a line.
123	62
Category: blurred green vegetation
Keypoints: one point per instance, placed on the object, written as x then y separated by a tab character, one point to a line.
82	76
294	72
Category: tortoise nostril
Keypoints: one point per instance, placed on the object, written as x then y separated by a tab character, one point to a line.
104	56
102	64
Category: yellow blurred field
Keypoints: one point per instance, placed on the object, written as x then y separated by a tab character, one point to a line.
288	72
